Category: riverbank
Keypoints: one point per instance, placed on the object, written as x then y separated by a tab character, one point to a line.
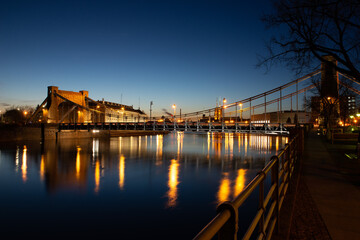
323	201
49	132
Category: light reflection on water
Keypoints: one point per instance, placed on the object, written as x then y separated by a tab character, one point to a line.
177	177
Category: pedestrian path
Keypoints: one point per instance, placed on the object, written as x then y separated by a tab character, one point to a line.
324	200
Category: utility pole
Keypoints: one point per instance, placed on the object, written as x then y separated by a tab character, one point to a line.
151	103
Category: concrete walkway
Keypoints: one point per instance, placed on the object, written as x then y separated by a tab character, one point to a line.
324	200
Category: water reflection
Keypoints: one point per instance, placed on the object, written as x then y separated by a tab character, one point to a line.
228	188
17	158
110	178
239	182
78	149
97	176
173	182
72	163
121	172
24	164
159	148
224	188
42	167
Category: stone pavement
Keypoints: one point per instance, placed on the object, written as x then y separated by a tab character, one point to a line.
324	199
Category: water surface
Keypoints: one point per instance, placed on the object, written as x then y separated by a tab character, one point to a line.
152	187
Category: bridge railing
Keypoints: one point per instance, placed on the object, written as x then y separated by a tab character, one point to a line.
280	169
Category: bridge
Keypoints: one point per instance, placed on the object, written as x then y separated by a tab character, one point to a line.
274	111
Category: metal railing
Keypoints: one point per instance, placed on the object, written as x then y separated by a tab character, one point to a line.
280	168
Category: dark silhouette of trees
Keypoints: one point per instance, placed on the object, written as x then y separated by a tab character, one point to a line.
313	29
17	114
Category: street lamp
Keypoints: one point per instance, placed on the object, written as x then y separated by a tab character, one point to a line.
174	107
241	111
223	112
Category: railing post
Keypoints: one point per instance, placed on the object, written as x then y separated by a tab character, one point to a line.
230	228
261	204
288	160
275	180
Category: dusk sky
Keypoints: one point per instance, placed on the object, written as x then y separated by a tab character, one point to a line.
187	53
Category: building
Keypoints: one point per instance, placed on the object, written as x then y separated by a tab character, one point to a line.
62	106
290	117
114	112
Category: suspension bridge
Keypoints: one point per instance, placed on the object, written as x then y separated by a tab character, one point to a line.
272	112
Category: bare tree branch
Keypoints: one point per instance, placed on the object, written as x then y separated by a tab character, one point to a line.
315	28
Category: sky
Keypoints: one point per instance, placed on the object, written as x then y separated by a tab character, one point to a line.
188	53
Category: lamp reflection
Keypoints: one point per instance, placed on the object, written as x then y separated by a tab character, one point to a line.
224	189
42	167
77	164
179	139
159	148
24	164
208	145
17	158
173	182
229	187
231	145
95	148
239	182
121	172
97	176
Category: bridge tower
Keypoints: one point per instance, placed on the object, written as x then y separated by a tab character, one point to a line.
69	110
329	90
329	78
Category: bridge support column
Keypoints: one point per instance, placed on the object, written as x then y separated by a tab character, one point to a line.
250	118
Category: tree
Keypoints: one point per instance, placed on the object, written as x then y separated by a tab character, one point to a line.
313	29
17	114
328	108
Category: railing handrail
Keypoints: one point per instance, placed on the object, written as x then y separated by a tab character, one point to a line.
225	223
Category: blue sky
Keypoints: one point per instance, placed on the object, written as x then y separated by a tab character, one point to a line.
187	53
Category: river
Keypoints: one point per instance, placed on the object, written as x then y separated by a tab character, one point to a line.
144	187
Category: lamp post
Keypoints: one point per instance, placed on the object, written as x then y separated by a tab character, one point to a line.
223	112
151	103
240	112
174	107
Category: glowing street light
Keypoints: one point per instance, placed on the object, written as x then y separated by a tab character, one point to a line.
174	107
240	104
224	106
